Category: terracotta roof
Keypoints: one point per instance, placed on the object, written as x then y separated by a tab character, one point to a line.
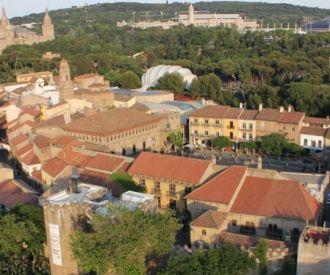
268	115
313	131
111	122
19	139
58	104
210	219
27	148
70	156
248	241
37	175
84	76
291	117
30	159
41	141
12	195
327	135
248	114
52	122
220	188
275	198
54	166
30	123
62	141
233	113
187	170
35	74
317	120
32	112
106	163
211	111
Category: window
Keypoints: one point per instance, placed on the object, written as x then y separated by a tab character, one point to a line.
196	132
244	125
313	143
319	144
156	184
196	120
293	129
206	133
217	122
158	201
142	181
305	142
172	187
217	134
206	121
284	128
234	222
204	232
251	126
244	135
250	137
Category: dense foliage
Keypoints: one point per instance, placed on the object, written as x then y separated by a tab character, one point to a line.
124	241
22	235
227	259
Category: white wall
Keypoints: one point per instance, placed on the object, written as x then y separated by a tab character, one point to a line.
310	139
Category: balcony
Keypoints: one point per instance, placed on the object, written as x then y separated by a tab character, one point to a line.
216	125
172	193
248	230
192	123
206	124
274	234
231	127
246	129
156	190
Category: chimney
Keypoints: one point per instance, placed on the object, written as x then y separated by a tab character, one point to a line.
260	107
73	184
241	105
281	109
289	108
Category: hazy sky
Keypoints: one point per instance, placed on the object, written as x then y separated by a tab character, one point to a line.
23	7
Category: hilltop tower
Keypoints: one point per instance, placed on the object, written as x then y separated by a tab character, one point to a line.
6	30
48	28
65	83
191	15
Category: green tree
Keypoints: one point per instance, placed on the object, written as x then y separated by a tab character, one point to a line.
220	143
124	241
273	144
129	80
22	236
125	181
248	146
195	90
210	87
172	82
176	139
226	259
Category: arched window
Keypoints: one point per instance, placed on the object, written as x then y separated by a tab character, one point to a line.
203	232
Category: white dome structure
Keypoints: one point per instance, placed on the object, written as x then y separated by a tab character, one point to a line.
151	76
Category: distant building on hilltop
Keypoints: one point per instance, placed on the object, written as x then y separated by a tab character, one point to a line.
19	35
199	19
321	25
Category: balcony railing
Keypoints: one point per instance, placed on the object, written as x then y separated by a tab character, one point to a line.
194	123
156	190
230	127
172	193
216	125
246	129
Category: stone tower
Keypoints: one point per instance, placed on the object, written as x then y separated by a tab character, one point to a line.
191	15
65	83
48	28
6	30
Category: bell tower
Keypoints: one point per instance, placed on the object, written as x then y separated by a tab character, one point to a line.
48	28
191	15
6	30
65	83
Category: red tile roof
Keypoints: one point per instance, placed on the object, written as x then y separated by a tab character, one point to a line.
248	114
52	122
268	115
29	123
105	163
292	117
30	159
32	112
249	241
54	166
313	131
275	198
211	111
27	148
11	195
70	156
37	175
19	139
234	113
210	219
41	141
171	168
221	188
317	120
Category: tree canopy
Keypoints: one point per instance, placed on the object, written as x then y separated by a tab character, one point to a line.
220	142
171	82
124	241
129	80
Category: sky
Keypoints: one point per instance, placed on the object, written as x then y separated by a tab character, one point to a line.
24	7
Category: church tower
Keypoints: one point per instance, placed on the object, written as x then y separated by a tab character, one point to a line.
6	30
191	15
65	83
48	28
